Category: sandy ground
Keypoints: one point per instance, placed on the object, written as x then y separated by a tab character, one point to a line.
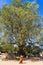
27	62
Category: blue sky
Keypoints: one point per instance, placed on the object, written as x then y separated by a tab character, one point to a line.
40	2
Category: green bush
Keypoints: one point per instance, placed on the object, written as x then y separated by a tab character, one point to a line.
32	50
7	48
28	49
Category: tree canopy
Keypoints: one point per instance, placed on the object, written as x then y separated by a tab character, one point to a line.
18	21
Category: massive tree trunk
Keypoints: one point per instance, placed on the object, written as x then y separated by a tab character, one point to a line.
21	51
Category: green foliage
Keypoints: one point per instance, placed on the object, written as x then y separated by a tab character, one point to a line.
7	48
19	21
32	50
16	2
28	49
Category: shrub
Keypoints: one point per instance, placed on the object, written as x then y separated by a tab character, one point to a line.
7	48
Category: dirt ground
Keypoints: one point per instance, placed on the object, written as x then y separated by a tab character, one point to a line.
26	62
